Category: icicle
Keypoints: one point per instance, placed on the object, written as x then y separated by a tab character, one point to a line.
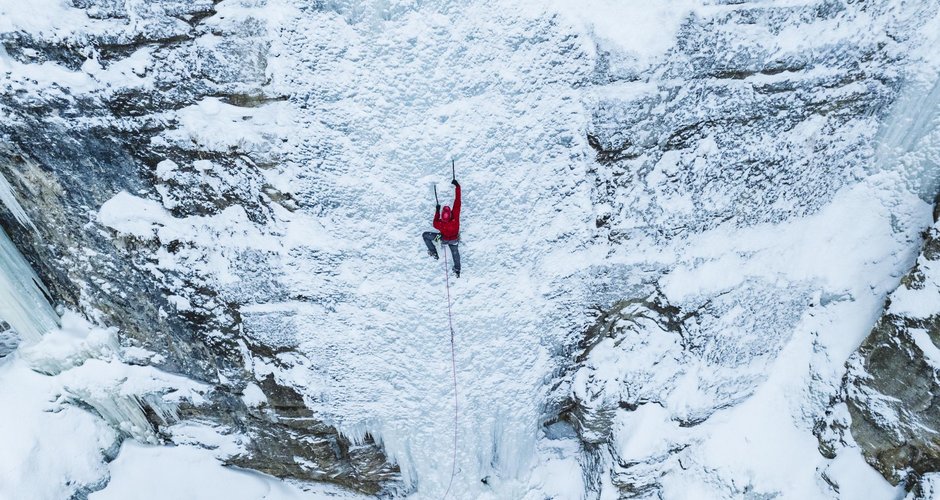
136	400
128	412
13	205
22	303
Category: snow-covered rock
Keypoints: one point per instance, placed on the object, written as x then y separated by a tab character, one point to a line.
680	220
891	386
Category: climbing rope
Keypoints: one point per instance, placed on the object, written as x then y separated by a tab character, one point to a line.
453	363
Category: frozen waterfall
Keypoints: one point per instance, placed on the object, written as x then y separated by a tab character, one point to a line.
22	302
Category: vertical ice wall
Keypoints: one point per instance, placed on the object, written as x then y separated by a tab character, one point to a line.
22	303
909	141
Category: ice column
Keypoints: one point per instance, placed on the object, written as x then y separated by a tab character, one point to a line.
22	303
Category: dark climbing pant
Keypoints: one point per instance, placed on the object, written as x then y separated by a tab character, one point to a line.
429	238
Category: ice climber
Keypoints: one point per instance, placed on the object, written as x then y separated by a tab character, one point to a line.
447	222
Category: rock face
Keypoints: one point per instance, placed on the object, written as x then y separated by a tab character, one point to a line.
748	99
669	254
68	146
666	361
892	384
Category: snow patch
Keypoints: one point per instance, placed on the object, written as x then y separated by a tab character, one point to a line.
856	479
40	15
160	472
77	341
124	394
253	396
927	346
49	449
641	29
65	410
133	215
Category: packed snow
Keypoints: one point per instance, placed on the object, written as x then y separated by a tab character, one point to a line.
190	472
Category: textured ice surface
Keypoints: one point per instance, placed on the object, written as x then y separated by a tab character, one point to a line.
493	90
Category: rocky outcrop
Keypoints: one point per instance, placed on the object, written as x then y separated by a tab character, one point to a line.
637	333
650	372
285	439
892	387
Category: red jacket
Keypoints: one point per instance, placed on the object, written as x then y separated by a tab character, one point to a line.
450	230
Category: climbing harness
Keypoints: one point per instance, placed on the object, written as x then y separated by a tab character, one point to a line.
453	363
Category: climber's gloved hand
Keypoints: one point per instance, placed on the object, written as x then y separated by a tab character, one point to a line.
438	208
454	182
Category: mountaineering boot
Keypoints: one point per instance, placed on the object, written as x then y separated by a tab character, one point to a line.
433	255
457	273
